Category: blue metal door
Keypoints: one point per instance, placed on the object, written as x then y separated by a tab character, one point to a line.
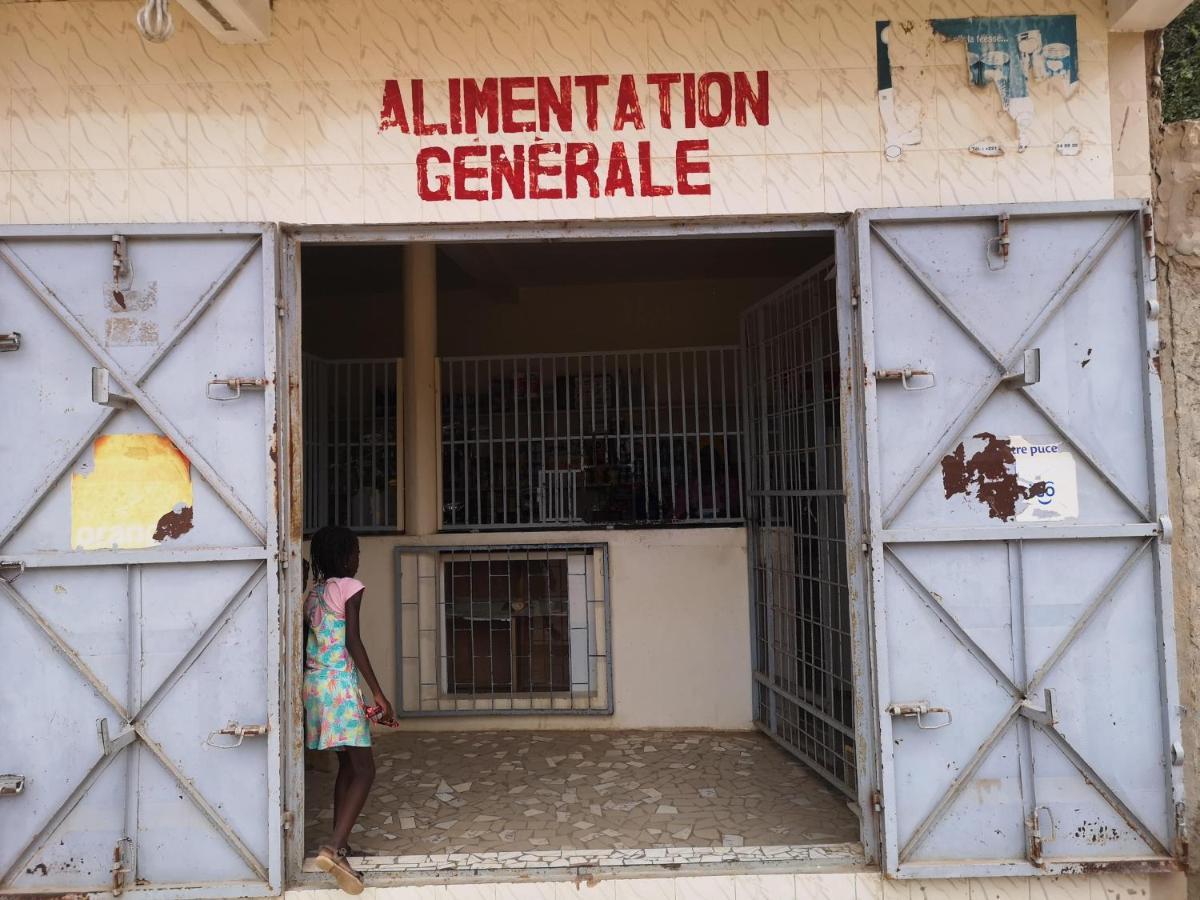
138	562
1021	592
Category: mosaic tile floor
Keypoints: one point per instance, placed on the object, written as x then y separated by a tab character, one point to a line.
519	799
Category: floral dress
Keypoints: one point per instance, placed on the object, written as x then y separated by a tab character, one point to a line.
333	707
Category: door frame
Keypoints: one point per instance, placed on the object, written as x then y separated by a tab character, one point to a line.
838	227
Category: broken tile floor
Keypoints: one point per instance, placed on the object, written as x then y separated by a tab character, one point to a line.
546	794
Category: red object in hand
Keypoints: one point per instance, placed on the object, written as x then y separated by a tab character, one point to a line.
375	714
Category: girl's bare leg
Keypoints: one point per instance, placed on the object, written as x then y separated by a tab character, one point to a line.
361	764
340	787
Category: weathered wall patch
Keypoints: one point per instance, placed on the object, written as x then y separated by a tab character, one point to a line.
1010	54
138	494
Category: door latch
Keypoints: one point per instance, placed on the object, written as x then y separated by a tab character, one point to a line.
11	785
238	732
10	341
109	746
905	376
997	247
919	710
102	393
119	867
1031	370
1046	716
1033	826
233	387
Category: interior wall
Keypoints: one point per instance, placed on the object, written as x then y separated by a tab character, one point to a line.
353	301
680	619
597	317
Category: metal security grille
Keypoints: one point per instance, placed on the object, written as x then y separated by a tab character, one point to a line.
503	629
351	414
795	495
647	437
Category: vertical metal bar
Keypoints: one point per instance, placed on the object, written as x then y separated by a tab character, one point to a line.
527	445
729	511
360	441
1016	599
491	433
630	431
712	433
662	506
503	444
675	516
338	465
450	440
376	515
133	778
545	464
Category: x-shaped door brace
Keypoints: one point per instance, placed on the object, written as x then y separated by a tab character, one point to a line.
1003	365
132	384
136	725
1022	707
135	720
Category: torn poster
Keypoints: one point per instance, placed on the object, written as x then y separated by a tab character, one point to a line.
1010	52
1007	53
138	494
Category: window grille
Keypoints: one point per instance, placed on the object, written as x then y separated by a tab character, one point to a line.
503	629
640	437
796	501
351	469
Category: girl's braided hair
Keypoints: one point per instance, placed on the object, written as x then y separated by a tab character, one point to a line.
331	550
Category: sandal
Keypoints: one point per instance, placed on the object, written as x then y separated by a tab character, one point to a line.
333	862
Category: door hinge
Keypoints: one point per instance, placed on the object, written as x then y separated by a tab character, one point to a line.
1148	238
1181	831
877	801
10	341
11	785
1166	529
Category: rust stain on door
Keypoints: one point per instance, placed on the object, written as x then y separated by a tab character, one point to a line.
989	475
138	494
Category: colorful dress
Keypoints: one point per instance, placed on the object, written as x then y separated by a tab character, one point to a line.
333	707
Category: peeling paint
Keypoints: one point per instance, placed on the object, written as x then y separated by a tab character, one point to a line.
989	476
174	524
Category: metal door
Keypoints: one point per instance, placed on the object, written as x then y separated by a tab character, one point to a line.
801	622
1018	541
139	606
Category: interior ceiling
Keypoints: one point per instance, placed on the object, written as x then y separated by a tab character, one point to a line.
514	264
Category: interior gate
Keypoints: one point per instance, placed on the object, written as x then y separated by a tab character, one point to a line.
138	561
800	598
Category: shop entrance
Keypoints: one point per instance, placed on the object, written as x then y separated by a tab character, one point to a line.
584	673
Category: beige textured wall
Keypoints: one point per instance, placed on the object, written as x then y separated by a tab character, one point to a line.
1177	225
681	628
97	125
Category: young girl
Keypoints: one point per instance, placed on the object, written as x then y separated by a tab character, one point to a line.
334	716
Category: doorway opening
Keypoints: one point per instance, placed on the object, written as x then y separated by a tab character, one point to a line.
585	676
